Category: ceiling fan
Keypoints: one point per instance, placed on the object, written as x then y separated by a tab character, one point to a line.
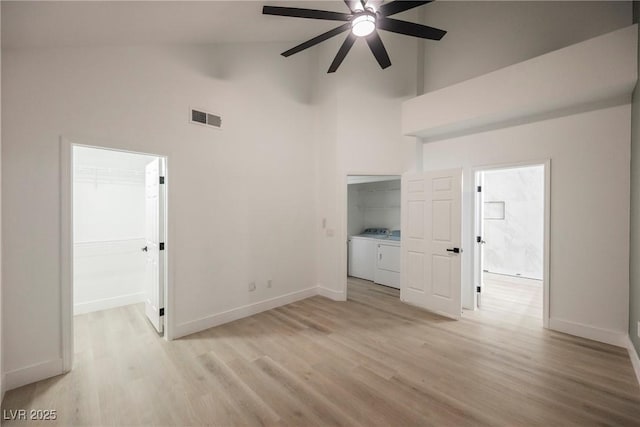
364	20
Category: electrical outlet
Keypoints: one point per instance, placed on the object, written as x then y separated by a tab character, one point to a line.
252	286
269	283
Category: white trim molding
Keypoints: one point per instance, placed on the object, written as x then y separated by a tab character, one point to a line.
32	373
607	336
217	319
342	193
546	258
331	294
67	248
107	303
635	360
66	253
47	369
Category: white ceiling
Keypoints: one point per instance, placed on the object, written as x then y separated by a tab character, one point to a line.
105	23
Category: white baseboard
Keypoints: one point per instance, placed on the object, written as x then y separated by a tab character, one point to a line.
32	373
207	322
43	370
633	355
331	294
107	303
606	336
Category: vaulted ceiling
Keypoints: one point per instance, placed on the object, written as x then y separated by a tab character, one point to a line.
104	23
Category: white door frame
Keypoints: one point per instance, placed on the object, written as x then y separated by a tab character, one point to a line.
546	164
66	245
343	207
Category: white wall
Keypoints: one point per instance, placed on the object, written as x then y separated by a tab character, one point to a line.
375	204
2	347
484	36
562	82
356	132
355	220
357	118
240	205
109	228
109	195
589	152
514	244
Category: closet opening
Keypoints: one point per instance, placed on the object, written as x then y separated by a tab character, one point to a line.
373	230
114	236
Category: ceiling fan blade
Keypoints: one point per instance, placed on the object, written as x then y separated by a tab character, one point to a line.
314	41
344	49
399	6
351	4
305	13
377	47
409	28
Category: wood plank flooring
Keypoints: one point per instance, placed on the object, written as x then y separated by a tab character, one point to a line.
513	297
371	361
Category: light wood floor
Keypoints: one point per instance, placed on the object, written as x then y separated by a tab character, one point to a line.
513	297
370	361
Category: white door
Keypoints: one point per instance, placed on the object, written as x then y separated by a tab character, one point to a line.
154	243
431	237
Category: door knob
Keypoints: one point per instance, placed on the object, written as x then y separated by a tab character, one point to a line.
145	249
454	250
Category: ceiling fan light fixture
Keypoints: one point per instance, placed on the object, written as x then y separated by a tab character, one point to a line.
363	25
364	20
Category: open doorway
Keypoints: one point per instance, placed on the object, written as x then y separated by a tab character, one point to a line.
510	242
117	241
373	230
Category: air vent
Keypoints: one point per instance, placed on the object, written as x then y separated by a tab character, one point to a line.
198	117
214	120
206	119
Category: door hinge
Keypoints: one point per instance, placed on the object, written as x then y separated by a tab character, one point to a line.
162	246
478	239
162	180
478	289
479	188
162	312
